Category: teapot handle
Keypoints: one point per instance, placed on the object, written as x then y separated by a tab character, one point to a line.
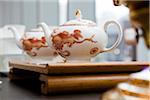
119	38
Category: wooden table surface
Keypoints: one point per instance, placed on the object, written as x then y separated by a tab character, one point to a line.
13	91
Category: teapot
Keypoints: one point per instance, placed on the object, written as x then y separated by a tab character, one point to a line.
35	45
79	40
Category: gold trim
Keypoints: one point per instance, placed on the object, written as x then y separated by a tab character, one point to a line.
139	83
78	13
129	93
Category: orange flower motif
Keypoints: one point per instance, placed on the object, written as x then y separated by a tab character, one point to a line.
94	50
69	39
77	34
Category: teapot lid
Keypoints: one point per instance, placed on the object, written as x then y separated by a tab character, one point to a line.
79	21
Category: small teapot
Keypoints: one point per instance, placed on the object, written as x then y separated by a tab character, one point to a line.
35	44
79	40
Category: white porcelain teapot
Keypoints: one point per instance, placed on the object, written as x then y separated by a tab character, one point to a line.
35	44
79	40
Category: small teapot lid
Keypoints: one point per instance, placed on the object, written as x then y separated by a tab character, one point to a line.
79	21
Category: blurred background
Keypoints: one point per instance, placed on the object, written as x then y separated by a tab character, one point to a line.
25	14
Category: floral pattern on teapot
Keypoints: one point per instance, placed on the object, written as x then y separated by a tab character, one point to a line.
76	40
80	39
70	39
33	43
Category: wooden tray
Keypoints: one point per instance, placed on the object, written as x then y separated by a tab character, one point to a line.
78	83
67	83
76	68
55	84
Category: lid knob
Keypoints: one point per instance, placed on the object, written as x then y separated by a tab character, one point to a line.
78	14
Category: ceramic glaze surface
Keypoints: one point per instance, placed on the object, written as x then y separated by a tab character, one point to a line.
34	44
77	40
80	39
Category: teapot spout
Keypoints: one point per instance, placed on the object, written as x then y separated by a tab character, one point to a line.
47	32
17	36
